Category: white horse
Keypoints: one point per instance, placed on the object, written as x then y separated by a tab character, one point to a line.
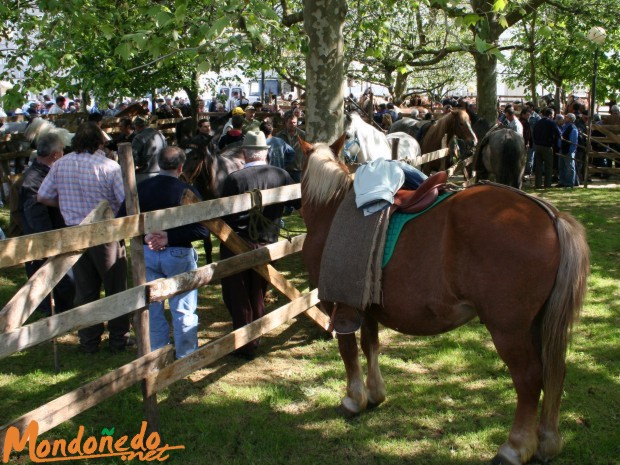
39	127
364	142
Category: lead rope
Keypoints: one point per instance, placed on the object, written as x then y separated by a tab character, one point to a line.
259	222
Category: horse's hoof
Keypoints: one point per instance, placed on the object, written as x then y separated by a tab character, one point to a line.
350	407
549	445
507	456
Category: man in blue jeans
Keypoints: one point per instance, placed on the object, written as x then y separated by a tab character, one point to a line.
170	253
566	163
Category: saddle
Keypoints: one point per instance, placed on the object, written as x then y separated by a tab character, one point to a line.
408	201
346	319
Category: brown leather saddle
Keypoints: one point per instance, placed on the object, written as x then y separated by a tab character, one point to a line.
408	201
345	319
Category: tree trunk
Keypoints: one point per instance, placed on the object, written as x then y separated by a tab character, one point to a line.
192	94
325	85
486	80
400	87
532	57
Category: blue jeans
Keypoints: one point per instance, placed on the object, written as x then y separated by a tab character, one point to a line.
170	262
529	166
566	168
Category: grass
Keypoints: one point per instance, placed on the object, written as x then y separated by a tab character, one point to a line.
450	398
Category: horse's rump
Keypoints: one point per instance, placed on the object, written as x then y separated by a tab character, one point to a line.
501	153
485	248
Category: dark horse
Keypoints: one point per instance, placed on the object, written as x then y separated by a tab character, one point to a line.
488	251
206	172
501	155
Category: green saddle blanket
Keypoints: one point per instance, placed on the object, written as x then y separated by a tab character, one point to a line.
397	221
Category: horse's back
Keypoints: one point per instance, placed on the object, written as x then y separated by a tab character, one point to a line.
408	147
406	125
486	250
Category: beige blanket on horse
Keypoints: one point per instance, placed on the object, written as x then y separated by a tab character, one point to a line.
351	263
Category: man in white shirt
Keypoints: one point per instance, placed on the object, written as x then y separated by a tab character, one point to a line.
512	122
59	107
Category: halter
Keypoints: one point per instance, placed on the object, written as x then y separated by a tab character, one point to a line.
194	173
347	146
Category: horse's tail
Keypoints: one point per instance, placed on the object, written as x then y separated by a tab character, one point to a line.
511	162
562	309
478	163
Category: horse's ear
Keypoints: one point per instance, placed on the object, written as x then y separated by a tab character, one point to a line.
306	147
337	145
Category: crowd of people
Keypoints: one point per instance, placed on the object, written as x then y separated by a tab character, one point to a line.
556	143
61	191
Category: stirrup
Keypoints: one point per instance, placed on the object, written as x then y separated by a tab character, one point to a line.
344	319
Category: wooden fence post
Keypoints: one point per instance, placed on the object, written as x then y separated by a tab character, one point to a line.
138	272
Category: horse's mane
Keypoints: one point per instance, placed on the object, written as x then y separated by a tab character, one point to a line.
325	178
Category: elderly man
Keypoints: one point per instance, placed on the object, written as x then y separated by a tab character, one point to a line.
146	145
170	253
566	162
244	293
77	183
37	217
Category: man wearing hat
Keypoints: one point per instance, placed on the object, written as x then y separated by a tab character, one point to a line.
146	145
244	293
237	111
250	124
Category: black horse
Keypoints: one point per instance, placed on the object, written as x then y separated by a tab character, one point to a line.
501	155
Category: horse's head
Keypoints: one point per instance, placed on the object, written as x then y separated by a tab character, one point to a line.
461	127
38	127
194	161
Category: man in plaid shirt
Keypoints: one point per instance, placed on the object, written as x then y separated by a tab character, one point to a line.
76	183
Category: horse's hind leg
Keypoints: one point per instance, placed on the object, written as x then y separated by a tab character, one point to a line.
521	355
370	345
356	399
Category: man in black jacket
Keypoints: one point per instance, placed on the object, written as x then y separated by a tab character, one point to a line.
170	253
37	217
547	136
244	293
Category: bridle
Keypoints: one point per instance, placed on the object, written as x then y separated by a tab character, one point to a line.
347	147
194	174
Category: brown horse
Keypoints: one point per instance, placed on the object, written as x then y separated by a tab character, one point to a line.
454	124
487	251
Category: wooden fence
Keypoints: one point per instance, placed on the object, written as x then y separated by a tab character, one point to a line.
606	136
156	370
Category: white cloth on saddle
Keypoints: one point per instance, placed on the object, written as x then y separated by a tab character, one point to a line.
376	183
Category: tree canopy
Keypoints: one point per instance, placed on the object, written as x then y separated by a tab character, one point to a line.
110	48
